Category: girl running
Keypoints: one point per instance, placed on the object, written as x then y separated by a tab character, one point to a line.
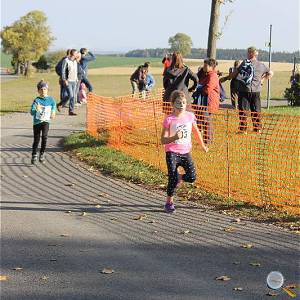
176	136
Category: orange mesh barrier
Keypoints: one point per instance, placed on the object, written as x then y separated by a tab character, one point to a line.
258	167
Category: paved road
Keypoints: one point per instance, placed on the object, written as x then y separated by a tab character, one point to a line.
63	252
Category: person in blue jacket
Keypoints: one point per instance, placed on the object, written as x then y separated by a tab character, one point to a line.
43	109
86	57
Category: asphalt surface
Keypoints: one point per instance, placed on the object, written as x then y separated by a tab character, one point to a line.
63	223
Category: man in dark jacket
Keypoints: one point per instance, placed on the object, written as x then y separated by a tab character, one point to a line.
86	57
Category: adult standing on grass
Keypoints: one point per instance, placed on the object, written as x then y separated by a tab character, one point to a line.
176	136
58	70
69	79
86	57
250	75
177	77
234	85
43	110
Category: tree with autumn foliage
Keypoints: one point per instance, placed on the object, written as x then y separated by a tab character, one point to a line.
26	40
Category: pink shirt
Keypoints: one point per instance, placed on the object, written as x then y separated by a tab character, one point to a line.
184	123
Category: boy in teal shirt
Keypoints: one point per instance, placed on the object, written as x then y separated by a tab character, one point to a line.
43	110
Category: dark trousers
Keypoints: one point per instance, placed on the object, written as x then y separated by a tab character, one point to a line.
249	100
175	160
37	130
87	84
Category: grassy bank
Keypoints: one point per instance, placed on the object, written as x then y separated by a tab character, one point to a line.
115	163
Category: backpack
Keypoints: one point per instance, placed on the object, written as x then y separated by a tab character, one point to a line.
58	67
246	73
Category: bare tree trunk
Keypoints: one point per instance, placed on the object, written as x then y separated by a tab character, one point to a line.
213	29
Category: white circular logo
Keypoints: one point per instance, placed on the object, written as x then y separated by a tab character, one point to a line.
275	280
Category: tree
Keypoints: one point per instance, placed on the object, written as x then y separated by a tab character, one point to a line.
26	39
42	64
181	42
213	33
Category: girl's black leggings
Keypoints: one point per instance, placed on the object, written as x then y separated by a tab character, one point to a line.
37	130
174	160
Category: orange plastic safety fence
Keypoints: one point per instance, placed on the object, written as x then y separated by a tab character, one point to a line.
261	167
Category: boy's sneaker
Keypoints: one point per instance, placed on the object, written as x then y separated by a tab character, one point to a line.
42	158
34	159
169	208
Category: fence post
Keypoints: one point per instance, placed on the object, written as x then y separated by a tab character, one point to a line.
156	133
228	153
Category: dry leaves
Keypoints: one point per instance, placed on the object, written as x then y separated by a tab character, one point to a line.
151	222
3	277
185	231
230	229
292	286
272	294
69	184
223	278
247	246
64	235
140	217
236	220
44	278
113	219
107	271
255	264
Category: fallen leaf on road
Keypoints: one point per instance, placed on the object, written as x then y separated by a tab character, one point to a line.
3	277
69	184
223	278
44	278
151	222
185	231
155	231
68	211
64	235
107	271
25	176
247	246
98	206
114	219
139	218
237	220
17	268
255	264
83	214
230	229
272	294
289	292
103	195
238	289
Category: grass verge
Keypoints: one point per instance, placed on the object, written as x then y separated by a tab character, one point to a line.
96	153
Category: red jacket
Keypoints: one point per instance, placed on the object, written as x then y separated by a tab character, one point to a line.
211	88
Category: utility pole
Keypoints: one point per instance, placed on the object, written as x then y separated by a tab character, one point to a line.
270	58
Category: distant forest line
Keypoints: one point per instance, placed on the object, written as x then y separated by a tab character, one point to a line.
224	54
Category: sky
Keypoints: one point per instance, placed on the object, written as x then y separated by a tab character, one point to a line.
122	25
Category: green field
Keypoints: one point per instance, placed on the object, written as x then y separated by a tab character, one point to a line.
17	95
5	60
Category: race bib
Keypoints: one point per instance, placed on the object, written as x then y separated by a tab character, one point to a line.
44	114
186	130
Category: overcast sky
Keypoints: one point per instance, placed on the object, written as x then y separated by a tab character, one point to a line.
121	25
